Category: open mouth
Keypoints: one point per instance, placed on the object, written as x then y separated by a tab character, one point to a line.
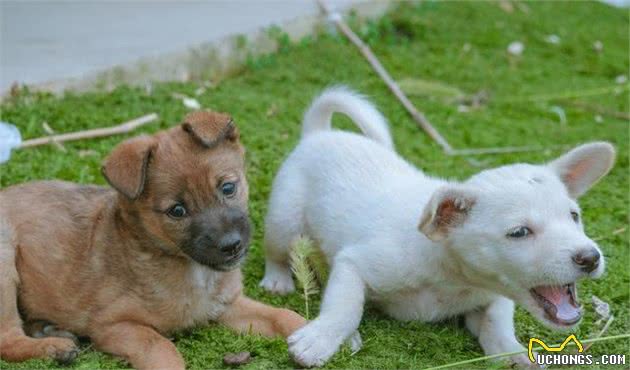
559	302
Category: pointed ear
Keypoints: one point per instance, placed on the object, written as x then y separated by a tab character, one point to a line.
448	208
210	128
583	166
125	169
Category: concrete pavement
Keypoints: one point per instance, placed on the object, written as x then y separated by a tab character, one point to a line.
59	44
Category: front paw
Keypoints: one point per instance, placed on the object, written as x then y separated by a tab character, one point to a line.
62	350
355	342
313	345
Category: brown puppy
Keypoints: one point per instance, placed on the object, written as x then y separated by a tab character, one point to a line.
126	266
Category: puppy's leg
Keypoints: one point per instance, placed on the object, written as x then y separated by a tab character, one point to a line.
339	318
248	315
494	326
284	223
277	279
14	344
140	345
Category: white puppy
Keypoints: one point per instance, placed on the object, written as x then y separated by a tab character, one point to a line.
512	233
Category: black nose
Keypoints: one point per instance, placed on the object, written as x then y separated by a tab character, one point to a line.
587	260
230	245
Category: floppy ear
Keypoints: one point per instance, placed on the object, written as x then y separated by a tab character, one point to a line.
125	169
448	208
583	166
210	128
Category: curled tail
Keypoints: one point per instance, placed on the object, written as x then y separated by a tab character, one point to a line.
359	109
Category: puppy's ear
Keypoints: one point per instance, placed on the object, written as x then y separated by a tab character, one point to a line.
210	128
126	167
448	208
583	166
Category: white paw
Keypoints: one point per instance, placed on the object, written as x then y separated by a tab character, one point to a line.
355	342
312	346
277	283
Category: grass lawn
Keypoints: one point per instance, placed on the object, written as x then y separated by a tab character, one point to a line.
462	45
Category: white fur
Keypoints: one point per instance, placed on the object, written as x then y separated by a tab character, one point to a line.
362	204
361	111
208	299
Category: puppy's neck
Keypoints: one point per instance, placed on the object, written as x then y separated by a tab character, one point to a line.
457	271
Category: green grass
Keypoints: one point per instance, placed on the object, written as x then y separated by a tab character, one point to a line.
424	41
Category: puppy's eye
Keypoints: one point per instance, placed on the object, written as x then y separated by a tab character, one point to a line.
575	216
177	211
228	189
520	232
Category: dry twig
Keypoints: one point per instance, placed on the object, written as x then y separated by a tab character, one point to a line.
87	134
51	132
601	332
601	110
422	121
418	116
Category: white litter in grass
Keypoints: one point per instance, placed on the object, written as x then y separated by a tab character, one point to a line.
621	79
516	48
599	118
10	139
598	46
602	309
191	103
560	113
553	39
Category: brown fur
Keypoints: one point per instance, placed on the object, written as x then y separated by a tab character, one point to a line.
112	265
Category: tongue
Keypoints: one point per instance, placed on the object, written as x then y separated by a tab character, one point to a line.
561	299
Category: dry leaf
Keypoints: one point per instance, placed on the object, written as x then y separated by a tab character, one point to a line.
237	359
506	6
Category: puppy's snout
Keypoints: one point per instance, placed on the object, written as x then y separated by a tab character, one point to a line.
220	237
231	244
587	260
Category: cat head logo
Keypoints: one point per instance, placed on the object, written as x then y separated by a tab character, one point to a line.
552	349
